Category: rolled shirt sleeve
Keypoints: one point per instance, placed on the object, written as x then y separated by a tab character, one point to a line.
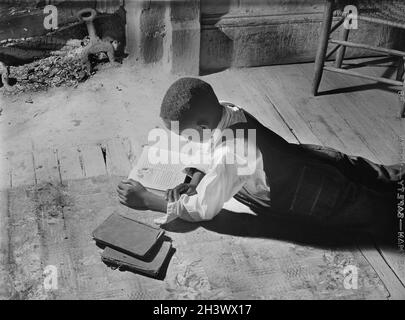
221	182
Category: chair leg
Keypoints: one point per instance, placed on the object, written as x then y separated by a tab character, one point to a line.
403	102
323	45
401	69
342	49
400	77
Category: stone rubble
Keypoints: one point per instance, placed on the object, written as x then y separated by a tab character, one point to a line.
64	67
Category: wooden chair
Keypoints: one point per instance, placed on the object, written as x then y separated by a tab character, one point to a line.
389	13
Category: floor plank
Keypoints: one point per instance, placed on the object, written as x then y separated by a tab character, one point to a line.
131	150
234	87
5	173
117	160
278	90
26	253
5	281
390	279
380	138
69	163
46	166
22	169
91	160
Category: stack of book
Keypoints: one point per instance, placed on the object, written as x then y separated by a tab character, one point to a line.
132	245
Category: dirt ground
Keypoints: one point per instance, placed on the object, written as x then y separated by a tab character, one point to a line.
123	100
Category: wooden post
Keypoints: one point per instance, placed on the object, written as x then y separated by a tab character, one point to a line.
185	36
323	45
133	34
165	32
342	49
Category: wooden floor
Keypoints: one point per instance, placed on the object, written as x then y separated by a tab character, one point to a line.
54	198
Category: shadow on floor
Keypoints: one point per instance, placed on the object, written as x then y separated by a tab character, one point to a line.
363	87
297	230
389	72
160	276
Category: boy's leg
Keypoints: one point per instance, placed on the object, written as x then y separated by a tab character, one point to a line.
360	170
374	176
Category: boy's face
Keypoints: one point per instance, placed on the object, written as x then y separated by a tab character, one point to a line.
192	130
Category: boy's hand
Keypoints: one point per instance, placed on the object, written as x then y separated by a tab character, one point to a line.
132	194
175	193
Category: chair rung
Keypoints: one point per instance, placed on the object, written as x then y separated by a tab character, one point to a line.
387	21
360	75
367	47
382	21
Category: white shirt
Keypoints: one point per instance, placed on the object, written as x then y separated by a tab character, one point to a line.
222	179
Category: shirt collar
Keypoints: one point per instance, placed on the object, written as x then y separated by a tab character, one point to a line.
231	114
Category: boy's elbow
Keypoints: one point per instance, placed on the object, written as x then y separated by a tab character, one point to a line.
202	211
208	213
200	215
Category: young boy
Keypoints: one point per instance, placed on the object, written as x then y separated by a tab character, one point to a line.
285	179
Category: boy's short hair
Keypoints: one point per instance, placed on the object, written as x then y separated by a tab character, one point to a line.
184	95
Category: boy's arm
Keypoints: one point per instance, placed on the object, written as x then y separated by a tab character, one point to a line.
197	177
214	189
188	188
156	202
222	181
134	195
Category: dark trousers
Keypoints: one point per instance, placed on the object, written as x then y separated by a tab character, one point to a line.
375	177
370	196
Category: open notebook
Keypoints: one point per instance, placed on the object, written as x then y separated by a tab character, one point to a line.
158	176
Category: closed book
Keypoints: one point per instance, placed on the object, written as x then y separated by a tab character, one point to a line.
123	261
128	236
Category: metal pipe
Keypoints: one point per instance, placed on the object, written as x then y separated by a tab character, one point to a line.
87	15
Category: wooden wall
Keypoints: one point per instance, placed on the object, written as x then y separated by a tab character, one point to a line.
199	36
242	33
25	18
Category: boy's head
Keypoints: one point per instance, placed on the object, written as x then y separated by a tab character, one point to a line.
193	103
